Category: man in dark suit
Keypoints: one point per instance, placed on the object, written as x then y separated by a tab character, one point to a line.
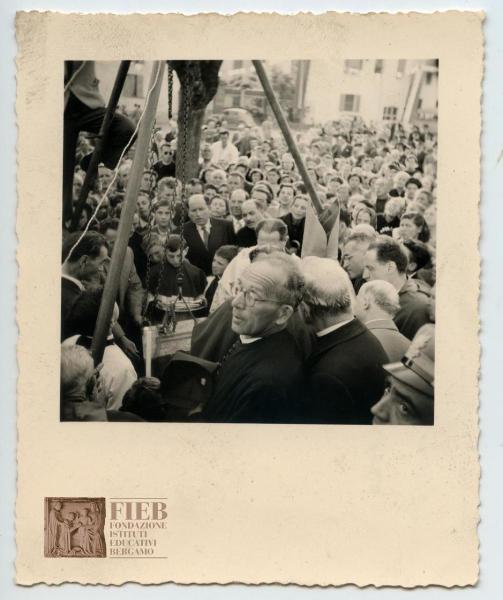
204	235
376	306
260	376
344	372
253	212
386	259
83	262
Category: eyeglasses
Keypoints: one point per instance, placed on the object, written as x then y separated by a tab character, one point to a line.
250	297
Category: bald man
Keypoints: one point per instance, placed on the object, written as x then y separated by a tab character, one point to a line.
253	211
344	371
377	303
261	375
236	201
204	234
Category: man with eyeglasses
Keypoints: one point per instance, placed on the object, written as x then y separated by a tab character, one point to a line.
166	165
259	378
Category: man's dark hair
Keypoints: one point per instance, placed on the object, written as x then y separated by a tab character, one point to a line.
272	225
414	181
389	250
109	224
227	252
162	203
300	188
84	312
421	255
174	243
90	245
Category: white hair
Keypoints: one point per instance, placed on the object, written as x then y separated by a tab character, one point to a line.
382	294
76	367
238	192
217	171
327	285
366	229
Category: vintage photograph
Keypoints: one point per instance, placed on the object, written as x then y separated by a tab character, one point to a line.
248	241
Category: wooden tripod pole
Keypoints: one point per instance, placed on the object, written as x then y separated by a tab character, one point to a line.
128	208
92	168
287	134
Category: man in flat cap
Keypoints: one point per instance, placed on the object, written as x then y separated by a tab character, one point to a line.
409	398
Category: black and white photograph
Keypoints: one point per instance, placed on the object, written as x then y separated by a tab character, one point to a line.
249	241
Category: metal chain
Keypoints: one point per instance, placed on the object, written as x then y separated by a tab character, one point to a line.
170	92
187	105
148	235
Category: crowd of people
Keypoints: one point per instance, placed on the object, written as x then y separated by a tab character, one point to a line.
281	337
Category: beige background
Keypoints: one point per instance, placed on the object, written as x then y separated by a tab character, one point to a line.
257	503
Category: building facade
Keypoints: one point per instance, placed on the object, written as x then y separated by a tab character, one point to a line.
317	91
377	90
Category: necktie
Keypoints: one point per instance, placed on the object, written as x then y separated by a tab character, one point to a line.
206	236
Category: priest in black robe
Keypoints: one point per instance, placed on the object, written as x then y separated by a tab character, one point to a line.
260	376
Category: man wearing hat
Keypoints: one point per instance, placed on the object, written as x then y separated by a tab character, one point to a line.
409	399
223	150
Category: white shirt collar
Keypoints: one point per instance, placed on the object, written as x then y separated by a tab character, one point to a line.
78	283
246	339
328	330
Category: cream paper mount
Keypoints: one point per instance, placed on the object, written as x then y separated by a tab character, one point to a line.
310	505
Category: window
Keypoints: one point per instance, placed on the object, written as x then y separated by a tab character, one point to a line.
390	113
236	101
378	67
238	64
133	86
400	68
349	103
351	66
429	78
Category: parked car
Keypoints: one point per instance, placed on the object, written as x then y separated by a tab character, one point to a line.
236	116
